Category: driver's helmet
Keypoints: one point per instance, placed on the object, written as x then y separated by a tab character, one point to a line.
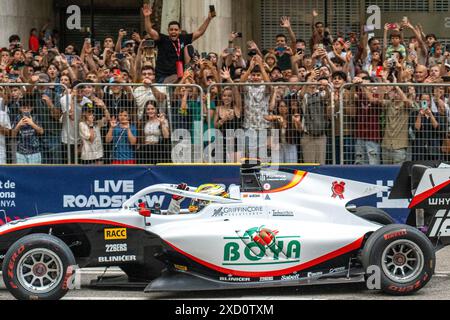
209	189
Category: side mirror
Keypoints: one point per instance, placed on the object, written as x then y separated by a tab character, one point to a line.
144	211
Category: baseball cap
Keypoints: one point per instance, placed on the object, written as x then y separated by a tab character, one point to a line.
43	78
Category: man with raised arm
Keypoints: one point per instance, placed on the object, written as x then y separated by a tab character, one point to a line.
171	47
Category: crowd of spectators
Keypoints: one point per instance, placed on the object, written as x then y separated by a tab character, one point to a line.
251	88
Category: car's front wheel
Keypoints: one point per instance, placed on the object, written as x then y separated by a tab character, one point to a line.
404	257
38	267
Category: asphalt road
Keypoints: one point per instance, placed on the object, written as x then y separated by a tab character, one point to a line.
437	289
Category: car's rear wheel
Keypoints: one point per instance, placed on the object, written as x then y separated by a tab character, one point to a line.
38	267
404	257
374	215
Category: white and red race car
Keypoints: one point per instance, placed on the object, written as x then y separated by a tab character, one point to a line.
279	228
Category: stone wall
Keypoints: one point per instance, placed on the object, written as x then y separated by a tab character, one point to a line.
20	16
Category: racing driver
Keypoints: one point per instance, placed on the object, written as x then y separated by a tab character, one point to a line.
196	204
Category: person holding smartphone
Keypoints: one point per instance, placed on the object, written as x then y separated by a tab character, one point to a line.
27	131
171	47
155	137
123	136
429	129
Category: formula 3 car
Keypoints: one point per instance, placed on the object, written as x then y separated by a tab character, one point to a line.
278	228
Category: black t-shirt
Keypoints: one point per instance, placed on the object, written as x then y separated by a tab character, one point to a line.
167	54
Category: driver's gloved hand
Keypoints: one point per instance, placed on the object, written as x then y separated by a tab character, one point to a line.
181	186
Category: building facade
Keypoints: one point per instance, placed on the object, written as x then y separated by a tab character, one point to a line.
256	19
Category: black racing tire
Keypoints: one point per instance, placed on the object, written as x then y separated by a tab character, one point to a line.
52	264
374	215
139	273
389	240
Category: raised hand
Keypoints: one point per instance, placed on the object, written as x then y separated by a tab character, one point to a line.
122	33
147	10
162	118
126	125
113	123
285	22
225	74
315	13
233	36
46	99
252	45
349	56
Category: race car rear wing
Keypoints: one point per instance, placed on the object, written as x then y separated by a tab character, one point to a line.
423	182
428	186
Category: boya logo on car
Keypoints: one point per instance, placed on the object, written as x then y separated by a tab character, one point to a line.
116	234
258	243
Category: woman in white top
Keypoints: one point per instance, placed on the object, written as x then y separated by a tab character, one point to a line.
91	138
156	131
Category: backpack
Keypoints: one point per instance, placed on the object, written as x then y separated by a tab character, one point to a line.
314	108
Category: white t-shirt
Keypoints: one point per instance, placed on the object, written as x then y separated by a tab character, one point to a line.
144	94
68	125
91	151
5	123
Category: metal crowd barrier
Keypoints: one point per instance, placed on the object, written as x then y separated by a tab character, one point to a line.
386	123
35	124
380	123
276	122
162	130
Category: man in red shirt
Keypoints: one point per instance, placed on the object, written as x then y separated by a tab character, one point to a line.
33	43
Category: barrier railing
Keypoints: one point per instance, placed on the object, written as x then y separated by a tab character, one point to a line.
35	124
387	123
276	122
138	124
380	123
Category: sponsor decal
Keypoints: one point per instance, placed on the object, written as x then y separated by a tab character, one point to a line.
314	274
291	277
234	279
117	259
395	234
337	270
266	176
123	247
417	285
280	213
238	211
116	234
439	201
179	267
267	186
338	189
263	279
261	242
252	196
267	198
12	261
